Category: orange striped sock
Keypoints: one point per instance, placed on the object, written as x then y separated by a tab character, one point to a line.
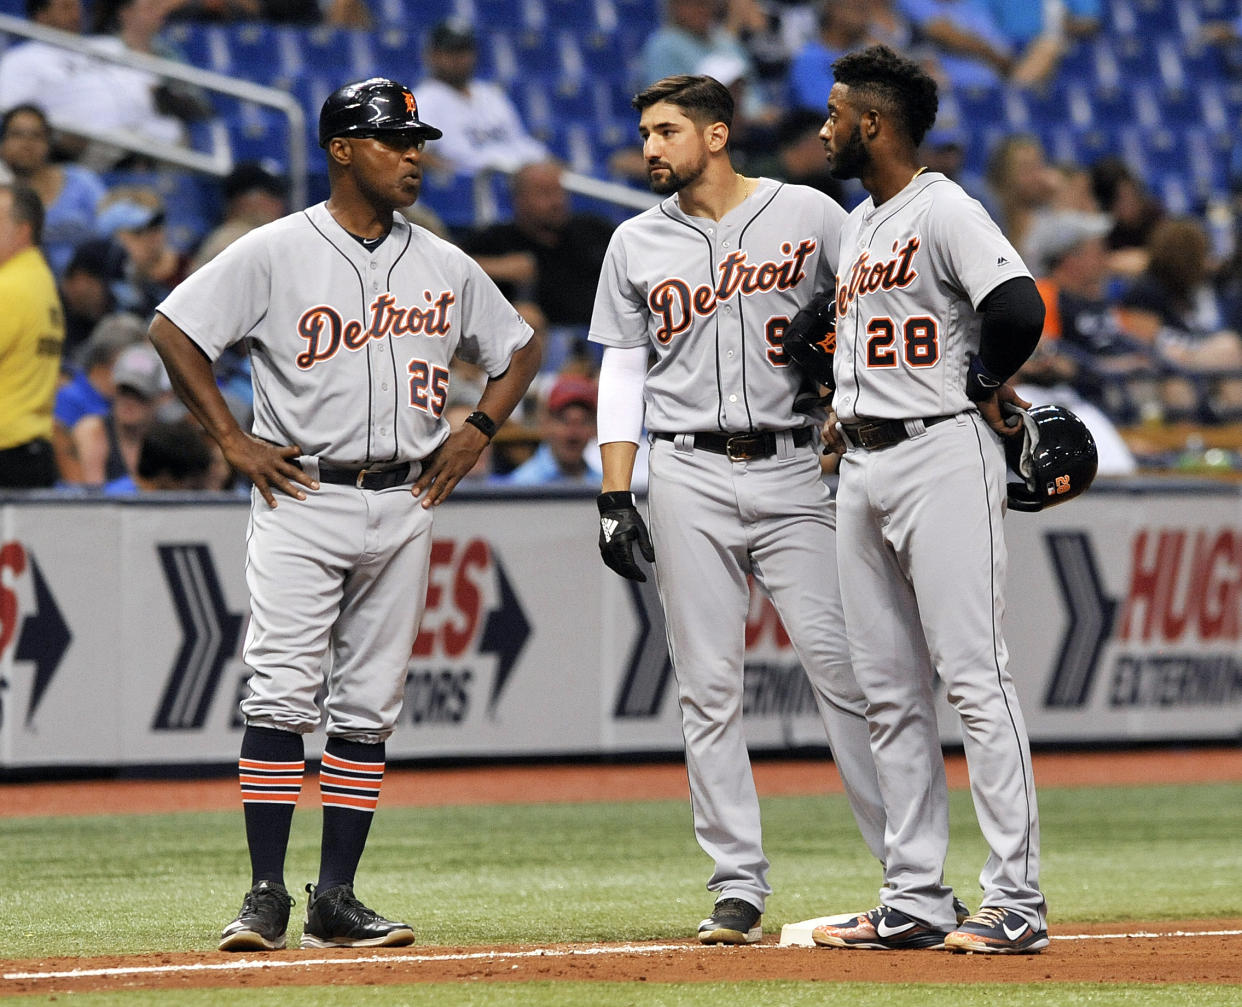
270	771
350	778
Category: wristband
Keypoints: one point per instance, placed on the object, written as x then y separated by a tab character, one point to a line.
615	500
981	383
481	421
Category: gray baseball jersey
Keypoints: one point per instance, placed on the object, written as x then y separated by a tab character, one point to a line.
711	299
905	331
922	543
349	348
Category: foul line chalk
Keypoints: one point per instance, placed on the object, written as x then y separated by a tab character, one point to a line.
388	959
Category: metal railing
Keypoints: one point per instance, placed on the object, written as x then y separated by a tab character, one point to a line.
218	161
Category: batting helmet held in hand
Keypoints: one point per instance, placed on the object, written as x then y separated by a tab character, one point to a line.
377	105
1056	457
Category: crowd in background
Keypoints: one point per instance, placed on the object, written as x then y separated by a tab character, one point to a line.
1144	304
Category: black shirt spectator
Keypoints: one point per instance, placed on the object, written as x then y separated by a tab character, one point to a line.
547	253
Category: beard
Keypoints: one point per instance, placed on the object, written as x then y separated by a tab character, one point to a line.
851	159
675	181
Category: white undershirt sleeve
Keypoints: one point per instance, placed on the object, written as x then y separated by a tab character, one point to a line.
622	374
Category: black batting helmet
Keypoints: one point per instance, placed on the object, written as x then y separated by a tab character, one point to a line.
371	106
1056	457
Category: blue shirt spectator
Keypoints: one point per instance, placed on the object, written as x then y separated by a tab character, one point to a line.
70	192
568	428
969	46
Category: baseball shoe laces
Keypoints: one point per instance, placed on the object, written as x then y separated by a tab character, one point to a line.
336	919
262	922
998	931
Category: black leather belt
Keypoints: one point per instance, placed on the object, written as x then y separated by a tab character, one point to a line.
743	447
365	479
884	433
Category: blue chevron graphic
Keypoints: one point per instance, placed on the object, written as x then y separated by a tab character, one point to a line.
209	636
504	634
44	639
649	667
1091	618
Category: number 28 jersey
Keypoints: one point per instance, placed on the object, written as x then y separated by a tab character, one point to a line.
912	272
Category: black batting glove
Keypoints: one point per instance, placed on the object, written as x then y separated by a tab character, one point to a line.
620	526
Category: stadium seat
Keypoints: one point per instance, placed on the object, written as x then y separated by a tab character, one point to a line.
397	55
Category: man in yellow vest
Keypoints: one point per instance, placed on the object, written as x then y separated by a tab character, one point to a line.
32	335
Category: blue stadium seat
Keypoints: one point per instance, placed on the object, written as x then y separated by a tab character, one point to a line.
263	53
397	55
451	197
256	132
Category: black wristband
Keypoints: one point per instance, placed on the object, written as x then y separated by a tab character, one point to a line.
981	383
616	500
483	422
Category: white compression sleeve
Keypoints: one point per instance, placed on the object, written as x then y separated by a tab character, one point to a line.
622	373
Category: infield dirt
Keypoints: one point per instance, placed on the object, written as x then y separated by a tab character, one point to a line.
1190	951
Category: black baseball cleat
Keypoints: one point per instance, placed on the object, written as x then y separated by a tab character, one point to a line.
335	919
960	910
733	921
262	922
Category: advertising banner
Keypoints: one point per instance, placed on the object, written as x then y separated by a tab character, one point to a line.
123	623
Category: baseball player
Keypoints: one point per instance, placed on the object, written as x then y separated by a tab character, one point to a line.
935	310
351	316
706	281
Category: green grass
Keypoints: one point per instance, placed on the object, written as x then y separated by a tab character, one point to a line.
775	993
564	872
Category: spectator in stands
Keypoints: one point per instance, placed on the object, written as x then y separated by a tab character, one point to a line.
89	387
85	293
694	31
567	426
1134	210
547	253
108	446
1042	33
1173	307
254	194
70	192
77	90
172	456
843	25
797	154
142	266
773	31
1021	185
157	108
43	74
964	39
32	336
482	127
1085	361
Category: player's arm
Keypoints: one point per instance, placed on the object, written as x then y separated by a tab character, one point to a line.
1012	320
622	374
457	455
268	466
